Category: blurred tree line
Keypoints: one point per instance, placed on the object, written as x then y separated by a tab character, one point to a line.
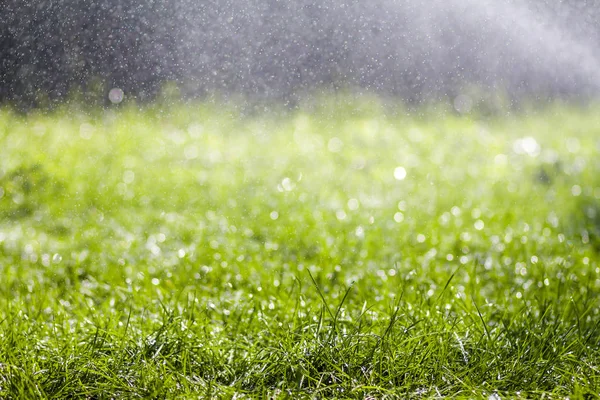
272	48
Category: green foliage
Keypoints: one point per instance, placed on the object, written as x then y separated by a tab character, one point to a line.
344	252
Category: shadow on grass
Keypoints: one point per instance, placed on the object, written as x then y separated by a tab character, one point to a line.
24	190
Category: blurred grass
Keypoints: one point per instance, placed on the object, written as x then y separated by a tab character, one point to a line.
190	250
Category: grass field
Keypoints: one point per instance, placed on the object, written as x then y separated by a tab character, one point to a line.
335	252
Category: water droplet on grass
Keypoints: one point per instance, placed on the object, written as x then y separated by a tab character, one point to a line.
335	145
353	204
360	232
18	198
287	184
128	176
444	218
527	145
400	173
398	217
340	215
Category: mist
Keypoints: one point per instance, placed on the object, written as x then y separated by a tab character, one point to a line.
272	49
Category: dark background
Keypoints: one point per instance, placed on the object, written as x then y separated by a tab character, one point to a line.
274	49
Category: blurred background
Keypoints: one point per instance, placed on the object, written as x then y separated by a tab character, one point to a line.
413	50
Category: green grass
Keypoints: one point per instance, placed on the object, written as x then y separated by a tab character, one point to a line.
194	252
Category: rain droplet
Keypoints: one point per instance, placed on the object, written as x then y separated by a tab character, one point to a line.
116	95
463	104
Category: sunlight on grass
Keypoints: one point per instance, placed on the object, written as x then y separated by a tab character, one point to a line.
329	252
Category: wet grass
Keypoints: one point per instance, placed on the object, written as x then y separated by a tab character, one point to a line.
330	253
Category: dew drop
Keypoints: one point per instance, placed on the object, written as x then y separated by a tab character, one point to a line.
398	217
400	173
479	225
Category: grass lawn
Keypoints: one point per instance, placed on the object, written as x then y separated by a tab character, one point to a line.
334	252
